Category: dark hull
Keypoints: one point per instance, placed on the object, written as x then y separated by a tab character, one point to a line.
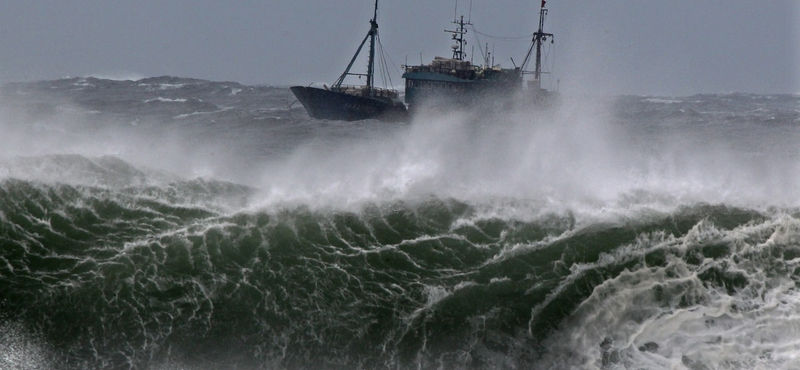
333	105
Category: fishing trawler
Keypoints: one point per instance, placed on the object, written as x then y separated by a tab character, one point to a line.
353	103
456	82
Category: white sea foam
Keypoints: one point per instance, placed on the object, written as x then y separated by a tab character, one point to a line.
667	317
166	100
123	76
662	100
187	115
21	350
82	83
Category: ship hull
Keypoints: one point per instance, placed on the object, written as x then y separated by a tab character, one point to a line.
495	89
334	105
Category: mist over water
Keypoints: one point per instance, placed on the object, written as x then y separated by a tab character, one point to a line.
581	153
585	150
176	223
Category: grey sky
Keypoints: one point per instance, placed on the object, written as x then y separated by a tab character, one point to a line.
675	47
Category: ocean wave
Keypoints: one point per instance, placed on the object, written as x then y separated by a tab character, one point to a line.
633	234
398	284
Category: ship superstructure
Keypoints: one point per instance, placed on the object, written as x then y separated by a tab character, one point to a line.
457	82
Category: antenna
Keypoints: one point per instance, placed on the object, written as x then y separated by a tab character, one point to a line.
539	37
469	19
458	37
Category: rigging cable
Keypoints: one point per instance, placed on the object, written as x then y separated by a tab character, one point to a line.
519	39
552	62
483	55
384	66
503	38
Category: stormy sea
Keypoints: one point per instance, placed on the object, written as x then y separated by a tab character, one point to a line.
176	223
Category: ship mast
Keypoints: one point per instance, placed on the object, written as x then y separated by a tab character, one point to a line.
373	32
458	37
538	38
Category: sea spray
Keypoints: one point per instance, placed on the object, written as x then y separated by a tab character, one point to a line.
635	232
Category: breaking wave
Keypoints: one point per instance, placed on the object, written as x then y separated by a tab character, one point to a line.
170	273
172	223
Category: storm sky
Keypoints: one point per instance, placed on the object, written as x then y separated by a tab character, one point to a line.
648	47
